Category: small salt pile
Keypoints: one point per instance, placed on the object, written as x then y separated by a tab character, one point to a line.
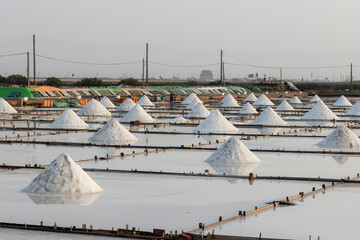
113	133
107	103
295	100
263	101
250	98
315	99
320	112
341	137
5	107
69	120
226	98
199	111
269	117
94	108
126	106
137	113
247	109
189	99
354	110
284	106
145	102
179	120
229	101
216	123
193	103
63	177
342	102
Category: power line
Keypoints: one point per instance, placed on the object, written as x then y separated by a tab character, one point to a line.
12	54
184	66
277	67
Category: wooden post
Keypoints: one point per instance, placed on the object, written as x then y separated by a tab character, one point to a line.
221	66
147	64
34	59
351	77
28	67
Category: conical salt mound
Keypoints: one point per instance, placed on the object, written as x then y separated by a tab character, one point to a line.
341	137
126	106
216	123
250	98
193	103
107	103
342	102
145	102
247	109
269	117
63	177
284	106
229	101
263	101
320	112
226	98
5	107
354	110
315	99
137	113
231	152
94	108
199	111
189	99
113	132
295	100
69	120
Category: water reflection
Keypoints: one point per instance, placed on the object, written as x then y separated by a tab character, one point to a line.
84	199
239	169
268	131
213	138
341	160
320	123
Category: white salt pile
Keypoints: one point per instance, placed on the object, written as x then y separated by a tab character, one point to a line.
63	177
145	102
354	110
250	98
189	99
263	101
179	120
247	109
269	117
94	108
315	99
216	123
5	107
229	101
69	120
193	103
233	151
107	103
199	111
137	114
113	132
295	100
126	106
320	112
341	137
226	98
342	102
284	106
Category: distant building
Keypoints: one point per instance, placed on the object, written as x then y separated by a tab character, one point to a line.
206	75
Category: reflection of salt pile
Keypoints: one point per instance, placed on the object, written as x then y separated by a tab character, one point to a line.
342	102
315	99
199	111
189	99
250	98
263	101
236	169
295	100
145	102
69	120
284	106
341	159
137	113
268	131
216	123
94	108
84	199
247	109
229	101
113	132
343	137
179	120
320	112
64	177
107	103
5	107
354	110
269	117
193	103
126	106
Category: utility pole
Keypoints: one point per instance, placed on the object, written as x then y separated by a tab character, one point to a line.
351	78
147	64
143	71
280	73
223	76
221	66
28	67
34	59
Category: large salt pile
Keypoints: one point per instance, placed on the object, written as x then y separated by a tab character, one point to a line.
229	101
137	113
107	103
247	109
320	112
295	100
250	98
193	103
263	101
216	123
189	99
126	106
233	151
342	102
145	102
284	106
113	132
199	111
354	110
5	107
269	117
69	120
94	108
341	137
315	99
63	177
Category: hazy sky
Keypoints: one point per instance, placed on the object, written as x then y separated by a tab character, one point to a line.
285	33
